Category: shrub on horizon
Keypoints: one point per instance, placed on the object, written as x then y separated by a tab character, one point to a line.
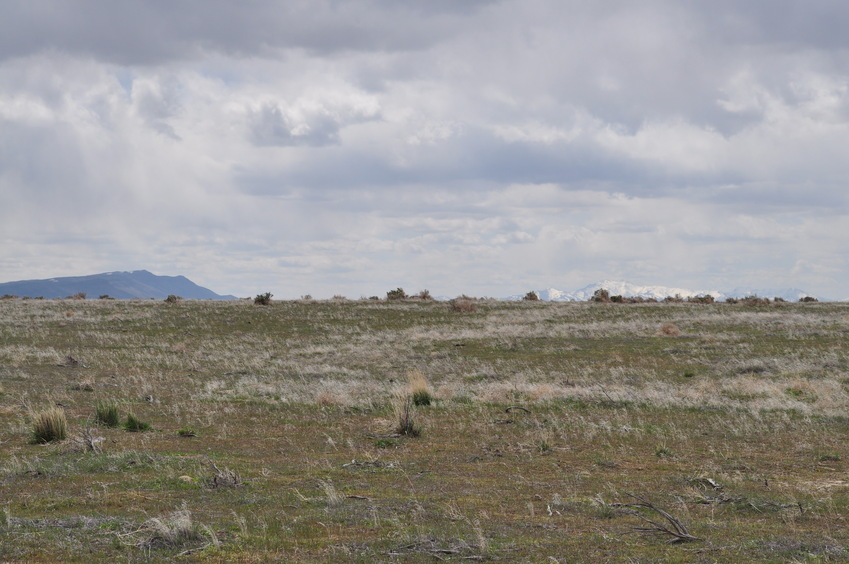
601	296
263	299
396	294
463	304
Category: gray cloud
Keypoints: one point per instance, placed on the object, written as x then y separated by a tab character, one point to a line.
155	31
269	126
482	147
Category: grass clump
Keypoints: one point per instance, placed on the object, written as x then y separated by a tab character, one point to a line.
49	426
135	425
224	478
419	387
107	413
173	530
385	442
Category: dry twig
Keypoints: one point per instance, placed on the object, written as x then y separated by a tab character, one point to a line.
675	528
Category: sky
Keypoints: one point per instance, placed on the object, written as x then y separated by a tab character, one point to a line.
485	147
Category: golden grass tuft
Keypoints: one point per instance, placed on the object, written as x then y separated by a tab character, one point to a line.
49	426
419	388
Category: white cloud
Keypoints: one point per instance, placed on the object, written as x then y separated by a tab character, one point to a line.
480	147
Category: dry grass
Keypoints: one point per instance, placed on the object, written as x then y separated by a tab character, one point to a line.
404	409
419	388
735	427
49	426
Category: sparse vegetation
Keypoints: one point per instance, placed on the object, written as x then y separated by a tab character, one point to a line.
279	429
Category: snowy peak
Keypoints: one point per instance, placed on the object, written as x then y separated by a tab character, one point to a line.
621	288
647	292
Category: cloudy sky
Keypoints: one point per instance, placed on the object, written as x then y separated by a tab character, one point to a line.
486	147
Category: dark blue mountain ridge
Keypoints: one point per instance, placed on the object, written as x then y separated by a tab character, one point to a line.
139	284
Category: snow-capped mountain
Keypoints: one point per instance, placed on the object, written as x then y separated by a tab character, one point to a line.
627	289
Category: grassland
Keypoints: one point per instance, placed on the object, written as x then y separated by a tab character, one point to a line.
274	435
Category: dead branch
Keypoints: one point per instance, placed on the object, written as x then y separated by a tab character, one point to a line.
519	407
674	528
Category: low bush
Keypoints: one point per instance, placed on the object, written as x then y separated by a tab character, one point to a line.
531	297
263	299
463	305
601	296
396	294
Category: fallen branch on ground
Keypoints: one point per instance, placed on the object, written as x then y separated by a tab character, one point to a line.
675	528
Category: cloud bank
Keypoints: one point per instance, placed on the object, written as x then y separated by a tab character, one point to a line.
485	147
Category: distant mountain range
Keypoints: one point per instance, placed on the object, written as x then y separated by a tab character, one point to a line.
626	289
120	285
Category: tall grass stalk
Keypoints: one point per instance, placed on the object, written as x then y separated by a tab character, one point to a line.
405	415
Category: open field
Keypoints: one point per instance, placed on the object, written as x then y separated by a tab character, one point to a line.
274	431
